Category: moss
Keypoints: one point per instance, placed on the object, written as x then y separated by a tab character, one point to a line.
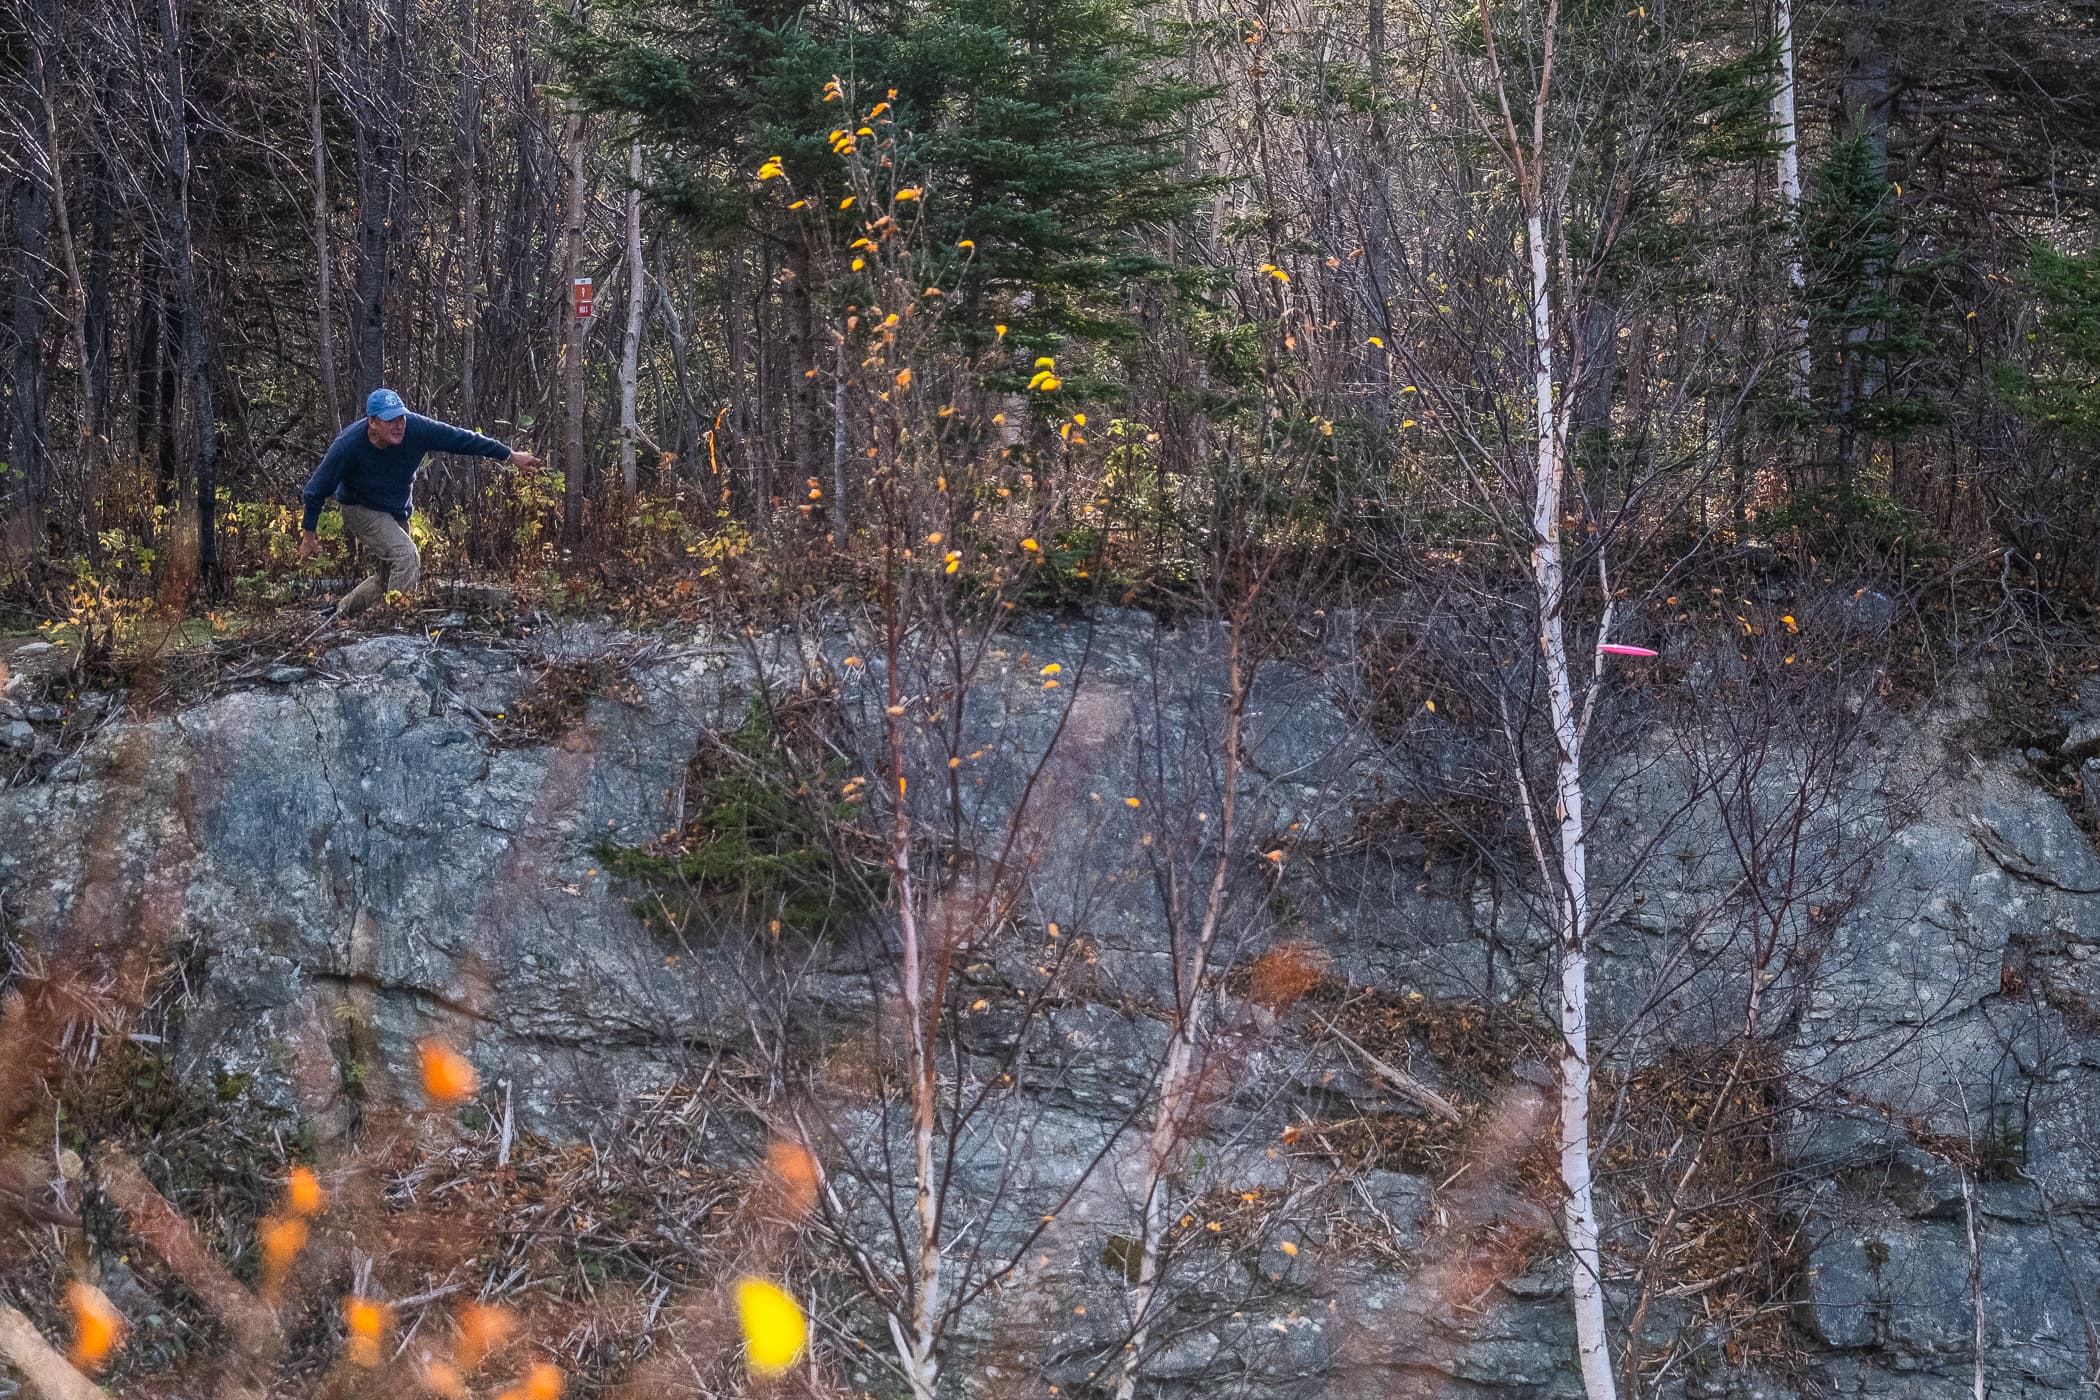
758	841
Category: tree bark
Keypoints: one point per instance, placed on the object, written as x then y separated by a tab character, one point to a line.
469	207
1787	133
26	422
631	340
379	120
69	256
324	262
804	399
689	421
1579	1212
917	1350
145	358
101	254
574	483
193	357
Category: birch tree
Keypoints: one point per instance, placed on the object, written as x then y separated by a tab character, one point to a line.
1788	162
1563	852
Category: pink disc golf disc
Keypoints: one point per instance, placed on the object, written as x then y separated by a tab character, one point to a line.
1615	649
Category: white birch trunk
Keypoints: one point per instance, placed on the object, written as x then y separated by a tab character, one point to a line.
1788	134
631	342
917	1349
1579	1210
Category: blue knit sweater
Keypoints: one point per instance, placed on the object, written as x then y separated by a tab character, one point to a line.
379	478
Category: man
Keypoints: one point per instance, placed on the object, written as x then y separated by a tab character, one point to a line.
370	467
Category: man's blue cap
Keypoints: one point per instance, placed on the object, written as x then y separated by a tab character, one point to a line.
385	404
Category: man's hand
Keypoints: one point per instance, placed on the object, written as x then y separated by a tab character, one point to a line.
309	545
521	459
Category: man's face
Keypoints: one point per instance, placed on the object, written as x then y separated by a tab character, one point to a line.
384	433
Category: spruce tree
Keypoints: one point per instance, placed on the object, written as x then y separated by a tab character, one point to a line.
1037	129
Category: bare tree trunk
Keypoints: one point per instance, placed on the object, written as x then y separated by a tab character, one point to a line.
193	358
26	425
1579	1211
69	258
574	484
101	254
689	422
1866	98
917	1351
804	403
631	341
838	443
145	357
1968	1215
1787	134
324	261
469	207
28	443
1177	1080
379	119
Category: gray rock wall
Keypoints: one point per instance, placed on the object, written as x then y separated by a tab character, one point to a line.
348	860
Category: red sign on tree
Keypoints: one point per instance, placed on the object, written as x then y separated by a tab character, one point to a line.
580	294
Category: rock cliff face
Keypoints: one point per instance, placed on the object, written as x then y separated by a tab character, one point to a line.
410	838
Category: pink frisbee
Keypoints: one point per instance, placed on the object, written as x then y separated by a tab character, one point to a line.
1614	649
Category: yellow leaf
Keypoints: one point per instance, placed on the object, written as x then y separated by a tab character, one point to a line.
904	378
1374	340
1052	669
775	1331
1030	545
903	195
846	203
971	243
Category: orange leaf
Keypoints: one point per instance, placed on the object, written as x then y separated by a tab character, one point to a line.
97	1325
447	1077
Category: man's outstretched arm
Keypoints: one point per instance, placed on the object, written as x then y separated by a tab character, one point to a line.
444	437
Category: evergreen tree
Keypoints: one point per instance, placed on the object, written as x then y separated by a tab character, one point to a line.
2060	388
1037	130
1865	301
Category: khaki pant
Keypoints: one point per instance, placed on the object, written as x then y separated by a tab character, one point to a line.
399	563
